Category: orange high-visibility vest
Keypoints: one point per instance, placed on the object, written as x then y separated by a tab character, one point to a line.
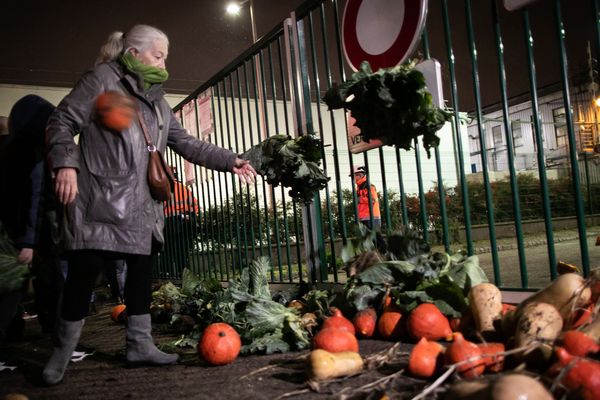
362	192
182	202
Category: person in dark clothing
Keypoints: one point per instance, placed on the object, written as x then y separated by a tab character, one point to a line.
28	208
103	182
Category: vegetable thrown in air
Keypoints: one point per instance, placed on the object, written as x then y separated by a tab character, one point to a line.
392	105
293	163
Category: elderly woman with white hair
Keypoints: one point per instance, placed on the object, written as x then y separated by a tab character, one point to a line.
102	180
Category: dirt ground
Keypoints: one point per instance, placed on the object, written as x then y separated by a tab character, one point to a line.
104	375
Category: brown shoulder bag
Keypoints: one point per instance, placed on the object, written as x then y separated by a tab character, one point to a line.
160	178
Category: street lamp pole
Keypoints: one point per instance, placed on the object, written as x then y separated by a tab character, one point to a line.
234	9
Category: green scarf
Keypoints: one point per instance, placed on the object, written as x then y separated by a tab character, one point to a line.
151	75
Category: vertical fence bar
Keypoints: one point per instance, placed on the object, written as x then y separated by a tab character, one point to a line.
322	136
248	195
220	210
402	192
539	139
264	186
200	220
489	202
336	162
438	165
251	133
288	132
230	205
560	30
458	141
514	184
213	207
422	200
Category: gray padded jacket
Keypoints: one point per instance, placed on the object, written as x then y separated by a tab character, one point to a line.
113	210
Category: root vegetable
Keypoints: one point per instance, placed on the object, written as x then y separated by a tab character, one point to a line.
425	358
568	292
469	390
461	350
485	301
428	321
326	365
519	386
539	322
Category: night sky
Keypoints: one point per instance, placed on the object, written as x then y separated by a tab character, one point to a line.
51	43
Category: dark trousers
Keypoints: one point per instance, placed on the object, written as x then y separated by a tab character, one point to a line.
179	233
84	268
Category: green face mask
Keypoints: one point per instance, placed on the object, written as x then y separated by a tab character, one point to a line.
152	75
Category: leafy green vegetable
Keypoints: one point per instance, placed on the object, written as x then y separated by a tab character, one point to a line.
293	163
392	105
419	277
263	324
12	274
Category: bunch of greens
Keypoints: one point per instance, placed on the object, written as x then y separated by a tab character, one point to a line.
12	274
293	163
414	275
265	326
392	105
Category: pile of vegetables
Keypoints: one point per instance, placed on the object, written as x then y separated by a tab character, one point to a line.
548	345
392	105
293	163
264	325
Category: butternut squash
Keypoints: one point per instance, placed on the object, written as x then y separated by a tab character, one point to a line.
485	301
325	365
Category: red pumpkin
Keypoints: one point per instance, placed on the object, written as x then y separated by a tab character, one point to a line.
364	322
115	110
428	321
424	359
335	341
338	321
390	326
579	344
220	344
118	313
494	362
461	350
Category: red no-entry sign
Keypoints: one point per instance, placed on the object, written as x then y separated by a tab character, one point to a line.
382	32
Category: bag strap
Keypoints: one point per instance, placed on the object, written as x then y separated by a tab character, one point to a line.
149	143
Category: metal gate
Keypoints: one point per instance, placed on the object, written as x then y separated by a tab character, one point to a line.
520	147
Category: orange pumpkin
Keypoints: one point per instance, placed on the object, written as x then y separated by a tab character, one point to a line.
389	325
494	362
365	321
220	344
338	321
462	350
425	358
428	321
335	341
118	313
115	110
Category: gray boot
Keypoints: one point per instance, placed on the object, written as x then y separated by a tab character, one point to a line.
66	338
140	346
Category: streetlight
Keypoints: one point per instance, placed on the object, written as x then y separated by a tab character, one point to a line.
234	8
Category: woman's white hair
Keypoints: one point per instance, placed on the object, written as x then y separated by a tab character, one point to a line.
140	37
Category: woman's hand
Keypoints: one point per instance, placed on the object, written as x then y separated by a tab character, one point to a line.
244	170
65	185
25	256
